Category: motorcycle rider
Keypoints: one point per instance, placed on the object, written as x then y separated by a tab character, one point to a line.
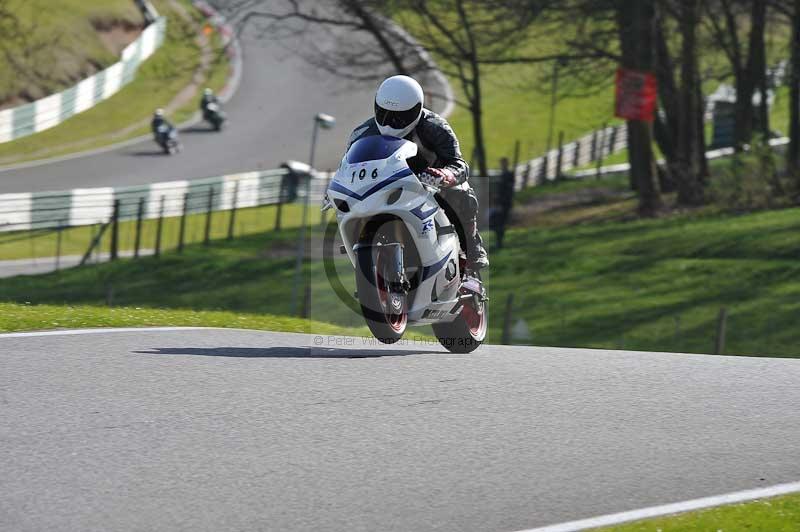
158	121
208	98
399	113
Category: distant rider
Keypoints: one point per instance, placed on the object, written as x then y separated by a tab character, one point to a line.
158	121
208	98
399	113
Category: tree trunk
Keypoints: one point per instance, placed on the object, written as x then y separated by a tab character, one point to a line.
743	109
690	190
666	127
703	174
636	20
757	62
793	152
477	121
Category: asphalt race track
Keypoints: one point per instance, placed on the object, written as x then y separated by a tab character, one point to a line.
271	120
241	430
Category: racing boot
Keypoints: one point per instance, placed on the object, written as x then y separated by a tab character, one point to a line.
477	259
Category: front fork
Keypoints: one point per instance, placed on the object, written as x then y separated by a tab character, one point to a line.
391	255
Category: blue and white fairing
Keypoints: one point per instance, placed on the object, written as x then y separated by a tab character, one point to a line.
368	179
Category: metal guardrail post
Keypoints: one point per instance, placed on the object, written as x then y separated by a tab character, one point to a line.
115	231
159	227
576	153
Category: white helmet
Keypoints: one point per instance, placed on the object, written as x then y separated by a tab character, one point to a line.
398	106
208	92
159	112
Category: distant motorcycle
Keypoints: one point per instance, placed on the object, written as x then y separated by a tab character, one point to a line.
214	115
167	138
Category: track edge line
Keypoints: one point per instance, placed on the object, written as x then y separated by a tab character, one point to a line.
672	508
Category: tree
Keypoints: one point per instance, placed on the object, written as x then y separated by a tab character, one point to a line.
678	126
635	21
688	153
791	9
748	65
462	35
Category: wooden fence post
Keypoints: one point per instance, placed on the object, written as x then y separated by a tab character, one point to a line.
506	340
209	212
182	230
58	244
600	146
722	322
232	219
115	231
281	197
560	158
159	227
138	237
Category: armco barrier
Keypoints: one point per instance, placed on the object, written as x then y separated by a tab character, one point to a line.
48	112
46	210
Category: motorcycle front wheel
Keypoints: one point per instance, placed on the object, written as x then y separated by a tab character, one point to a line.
384	310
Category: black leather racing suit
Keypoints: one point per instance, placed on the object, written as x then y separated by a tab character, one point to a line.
156	123
437	147
205	101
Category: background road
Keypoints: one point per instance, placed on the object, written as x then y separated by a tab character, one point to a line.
239	430
271	120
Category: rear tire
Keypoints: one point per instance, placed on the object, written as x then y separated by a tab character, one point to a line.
467	332
385	312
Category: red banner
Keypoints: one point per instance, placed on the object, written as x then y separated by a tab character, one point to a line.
636	95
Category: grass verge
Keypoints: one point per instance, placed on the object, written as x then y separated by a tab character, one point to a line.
779	514
26	317
126	114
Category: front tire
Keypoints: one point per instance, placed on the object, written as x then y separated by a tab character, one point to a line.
467	332
384	311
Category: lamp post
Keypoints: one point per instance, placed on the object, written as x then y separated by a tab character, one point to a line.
324	121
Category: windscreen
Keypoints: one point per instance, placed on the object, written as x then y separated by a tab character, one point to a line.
374	148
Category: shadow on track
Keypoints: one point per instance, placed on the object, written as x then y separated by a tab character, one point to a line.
284	352
199	129
146	153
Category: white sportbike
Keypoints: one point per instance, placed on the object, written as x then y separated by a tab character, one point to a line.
408	257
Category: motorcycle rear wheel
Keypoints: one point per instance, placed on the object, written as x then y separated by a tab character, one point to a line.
467	332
